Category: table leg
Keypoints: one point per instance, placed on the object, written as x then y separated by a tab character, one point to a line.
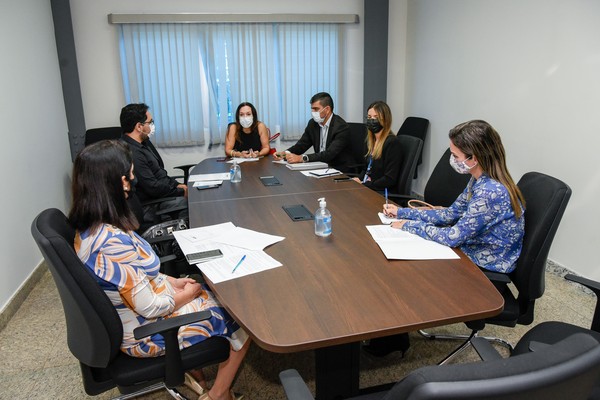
337	371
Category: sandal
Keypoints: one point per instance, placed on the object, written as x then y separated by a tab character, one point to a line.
193	384
234	396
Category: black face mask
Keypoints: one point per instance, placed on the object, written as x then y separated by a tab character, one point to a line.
373	125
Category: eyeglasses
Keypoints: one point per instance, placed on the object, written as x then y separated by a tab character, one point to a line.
151	122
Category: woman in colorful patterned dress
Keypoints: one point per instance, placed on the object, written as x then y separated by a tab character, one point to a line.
486	221
128	270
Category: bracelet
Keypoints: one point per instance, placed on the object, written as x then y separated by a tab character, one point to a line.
232	153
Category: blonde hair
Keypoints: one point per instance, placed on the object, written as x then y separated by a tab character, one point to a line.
480	139
375	148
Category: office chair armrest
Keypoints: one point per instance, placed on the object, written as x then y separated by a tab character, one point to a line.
171	210
294	386
168	328
497	277
588	283
484	348
167	324
157	201
186	171
594	287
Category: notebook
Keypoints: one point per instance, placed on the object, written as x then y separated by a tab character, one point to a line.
307	165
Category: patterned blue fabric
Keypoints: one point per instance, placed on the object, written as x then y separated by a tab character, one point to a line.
483	226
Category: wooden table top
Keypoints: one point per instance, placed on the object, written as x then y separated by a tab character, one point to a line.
334	290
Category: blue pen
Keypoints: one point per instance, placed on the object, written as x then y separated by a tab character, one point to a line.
386	197
239	263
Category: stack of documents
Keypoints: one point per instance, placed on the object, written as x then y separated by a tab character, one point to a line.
242	250
306	165
240	160
321	173
397	244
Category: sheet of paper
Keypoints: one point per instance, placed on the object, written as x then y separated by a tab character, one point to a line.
196	235
306	166
397	244
385	219
321	173
240	160
247	239
221	269
280	162
207	183
221	176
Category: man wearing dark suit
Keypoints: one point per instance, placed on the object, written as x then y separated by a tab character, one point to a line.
328	134
153	182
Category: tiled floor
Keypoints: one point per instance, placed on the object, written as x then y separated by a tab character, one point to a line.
36	363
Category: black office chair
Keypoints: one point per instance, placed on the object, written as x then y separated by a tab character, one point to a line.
107	133
410	148
416	127
546	200
358	146
443	186
568	369
95	331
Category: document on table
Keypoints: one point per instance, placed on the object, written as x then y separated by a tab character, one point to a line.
247	239
397	244
234	242
221	176
207	183
306	165
321	173
385	219
240	160
222	269
280	162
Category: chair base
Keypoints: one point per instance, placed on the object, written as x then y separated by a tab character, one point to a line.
150	389
465	344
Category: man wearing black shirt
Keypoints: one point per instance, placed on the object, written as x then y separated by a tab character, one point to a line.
153	182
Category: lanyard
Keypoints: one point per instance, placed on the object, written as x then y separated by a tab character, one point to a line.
368	172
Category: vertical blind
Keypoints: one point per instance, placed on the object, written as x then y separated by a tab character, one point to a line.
193	76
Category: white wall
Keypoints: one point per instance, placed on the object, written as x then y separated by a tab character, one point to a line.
530	68
35	156
98	55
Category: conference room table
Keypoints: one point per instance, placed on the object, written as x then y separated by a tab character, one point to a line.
331	292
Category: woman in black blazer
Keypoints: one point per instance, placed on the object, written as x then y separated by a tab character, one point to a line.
383	156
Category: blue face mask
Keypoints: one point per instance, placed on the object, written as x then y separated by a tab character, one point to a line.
460	166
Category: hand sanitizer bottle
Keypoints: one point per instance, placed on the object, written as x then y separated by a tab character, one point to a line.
322	219
235	172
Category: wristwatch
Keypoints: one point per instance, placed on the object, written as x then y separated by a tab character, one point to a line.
304	158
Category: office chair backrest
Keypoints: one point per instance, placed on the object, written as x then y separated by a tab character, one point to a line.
410	149
546	199
94	329
568	369
444	184
358	142
415	127
97	134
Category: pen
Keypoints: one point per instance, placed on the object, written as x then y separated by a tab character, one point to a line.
386	197
239	263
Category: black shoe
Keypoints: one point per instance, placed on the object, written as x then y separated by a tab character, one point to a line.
381	347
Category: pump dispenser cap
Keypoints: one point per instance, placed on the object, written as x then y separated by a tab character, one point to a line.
322	202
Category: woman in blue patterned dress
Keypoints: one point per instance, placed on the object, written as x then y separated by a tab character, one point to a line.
486	221
128	270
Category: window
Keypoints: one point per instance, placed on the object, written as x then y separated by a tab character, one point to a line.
193	76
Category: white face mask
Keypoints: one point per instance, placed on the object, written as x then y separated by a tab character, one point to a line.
316	116
246	122
152	129
460	166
